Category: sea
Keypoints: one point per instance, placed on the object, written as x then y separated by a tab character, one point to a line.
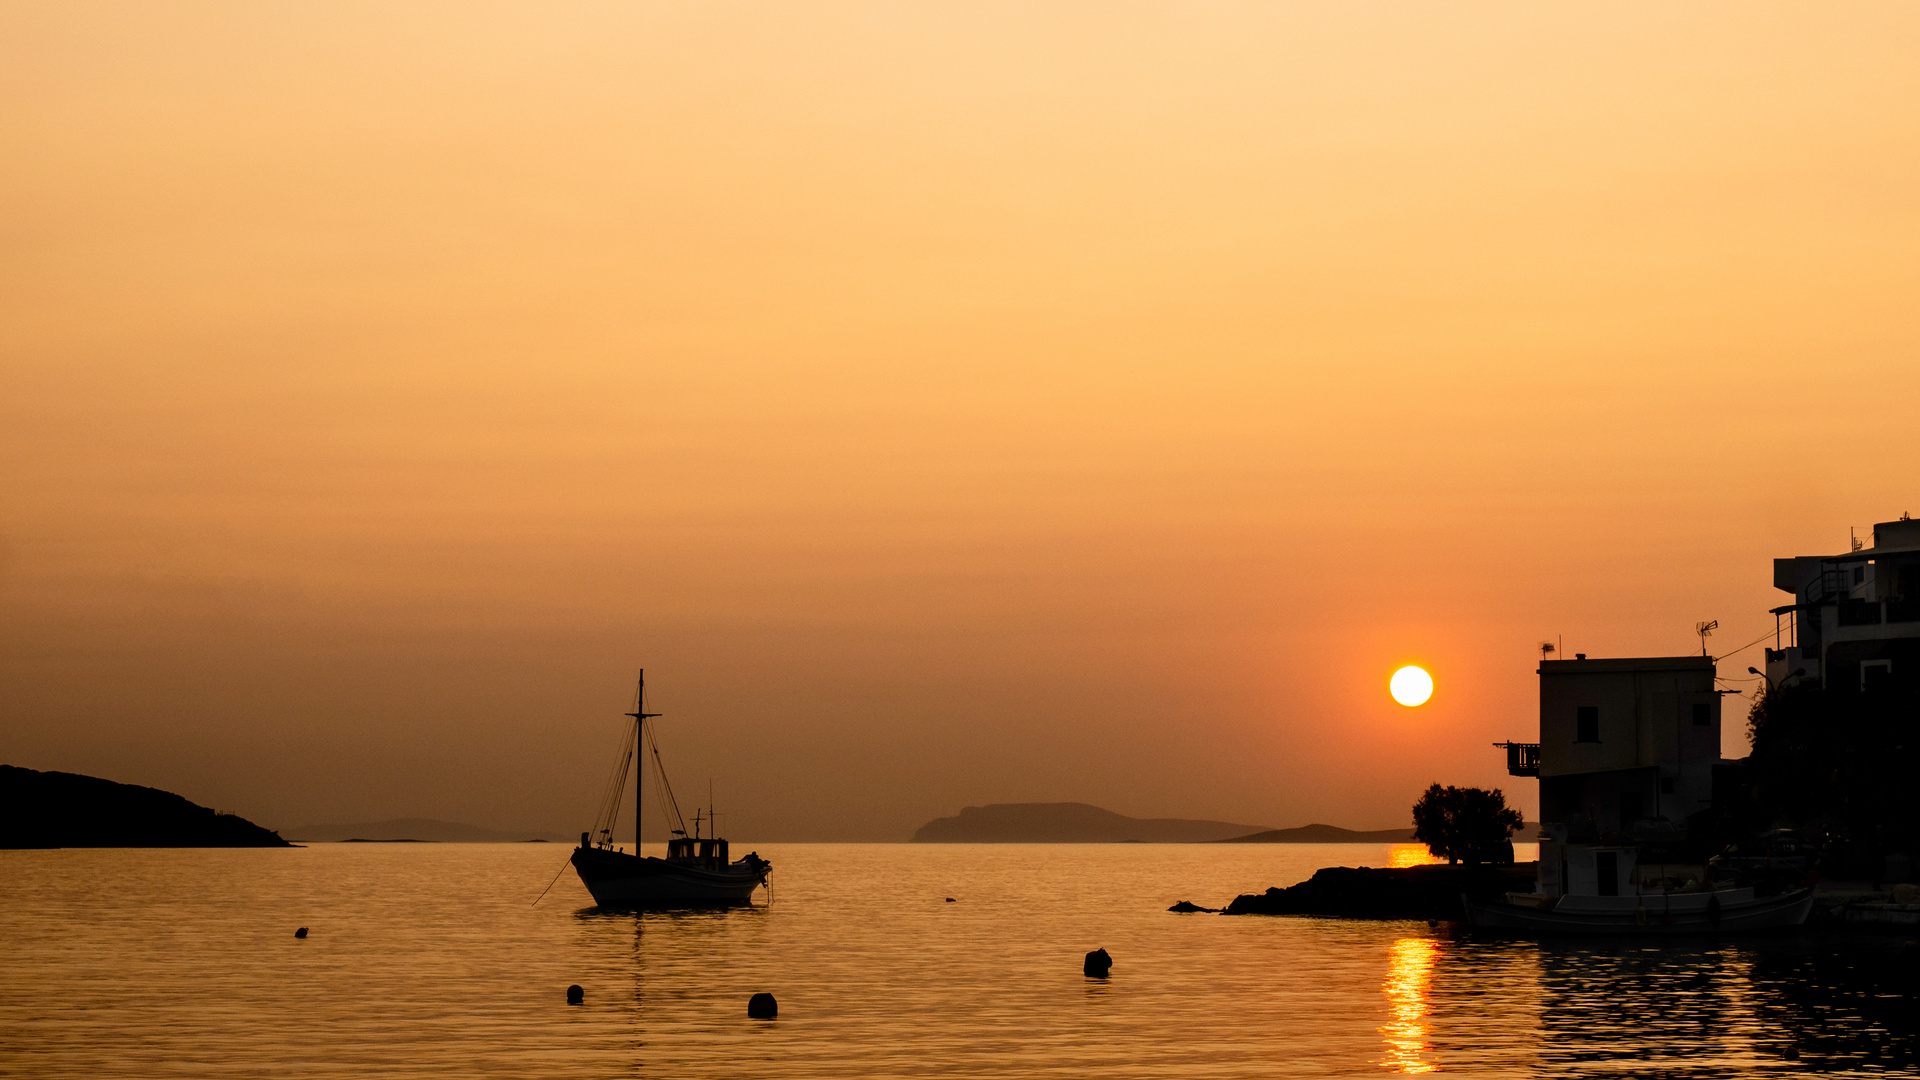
887	960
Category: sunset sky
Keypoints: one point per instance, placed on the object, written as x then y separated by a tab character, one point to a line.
947	403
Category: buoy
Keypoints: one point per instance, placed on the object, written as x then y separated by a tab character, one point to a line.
762	1007
1098	964
302	932
949	899
575	995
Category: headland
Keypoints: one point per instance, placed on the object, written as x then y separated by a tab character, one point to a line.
59	809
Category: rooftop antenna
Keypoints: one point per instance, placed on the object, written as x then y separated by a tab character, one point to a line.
1546	649
1853	536
1705	630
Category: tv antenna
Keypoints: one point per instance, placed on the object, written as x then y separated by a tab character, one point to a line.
1705	630
1547	649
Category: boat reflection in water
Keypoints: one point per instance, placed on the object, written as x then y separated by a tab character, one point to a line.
1409	973
1736	1008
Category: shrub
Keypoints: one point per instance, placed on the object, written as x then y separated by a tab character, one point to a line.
1470	825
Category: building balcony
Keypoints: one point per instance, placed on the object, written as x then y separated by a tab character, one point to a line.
1523	758
1859	613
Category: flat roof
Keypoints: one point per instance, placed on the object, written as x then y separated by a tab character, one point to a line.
1608	664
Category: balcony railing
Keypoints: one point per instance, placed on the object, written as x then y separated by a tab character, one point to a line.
1523	758
1859	613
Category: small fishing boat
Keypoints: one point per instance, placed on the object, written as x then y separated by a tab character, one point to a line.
1587	888
1720	911
696	871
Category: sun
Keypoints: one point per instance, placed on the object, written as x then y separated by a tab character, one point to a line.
1411	686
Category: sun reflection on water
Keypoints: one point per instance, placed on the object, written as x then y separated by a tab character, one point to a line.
1410	855
1409	966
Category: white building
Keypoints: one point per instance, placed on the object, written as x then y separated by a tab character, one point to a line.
1626	755
1854	624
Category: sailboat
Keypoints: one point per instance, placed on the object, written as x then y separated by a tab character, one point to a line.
695	872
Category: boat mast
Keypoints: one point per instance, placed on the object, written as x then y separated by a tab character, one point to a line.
640	717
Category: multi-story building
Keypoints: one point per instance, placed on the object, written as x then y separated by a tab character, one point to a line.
1854	624
1628	747
1626	755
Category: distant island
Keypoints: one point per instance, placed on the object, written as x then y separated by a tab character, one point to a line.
411	829
59	809
1334	834
1080	823
1068	823
1324	834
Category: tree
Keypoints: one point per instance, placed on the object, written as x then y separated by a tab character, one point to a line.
1470	825
1837	763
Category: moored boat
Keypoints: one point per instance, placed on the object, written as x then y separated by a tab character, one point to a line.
1721	911
696	871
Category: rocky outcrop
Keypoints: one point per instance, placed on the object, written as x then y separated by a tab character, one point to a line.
1413	892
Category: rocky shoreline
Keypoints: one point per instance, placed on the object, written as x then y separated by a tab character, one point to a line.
1412	892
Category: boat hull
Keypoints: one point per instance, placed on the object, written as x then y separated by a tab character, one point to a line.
617	879
1647	916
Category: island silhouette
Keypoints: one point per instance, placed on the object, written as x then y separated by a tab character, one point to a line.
425	830
60	809
1083	823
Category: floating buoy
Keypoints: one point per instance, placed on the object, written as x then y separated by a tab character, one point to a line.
300	933
575	995
949	899
1098	964
762	1007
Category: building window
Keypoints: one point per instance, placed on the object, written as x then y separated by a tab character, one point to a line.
1702	714
1859	575
1586	723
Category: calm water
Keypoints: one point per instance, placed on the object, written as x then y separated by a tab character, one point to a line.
428	960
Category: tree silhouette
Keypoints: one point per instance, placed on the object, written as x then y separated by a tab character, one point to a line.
1470	825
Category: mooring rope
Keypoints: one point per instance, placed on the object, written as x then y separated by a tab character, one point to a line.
551	884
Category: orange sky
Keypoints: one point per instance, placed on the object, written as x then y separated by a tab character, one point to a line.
947	403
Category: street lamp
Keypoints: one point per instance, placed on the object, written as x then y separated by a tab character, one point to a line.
1771	686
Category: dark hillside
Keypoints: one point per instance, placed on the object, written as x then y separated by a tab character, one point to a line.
1068	823
57	809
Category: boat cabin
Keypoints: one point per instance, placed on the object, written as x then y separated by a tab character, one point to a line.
1588	871
698	851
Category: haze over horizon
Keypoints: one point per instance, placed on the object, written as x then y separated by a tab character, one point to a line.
947	405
